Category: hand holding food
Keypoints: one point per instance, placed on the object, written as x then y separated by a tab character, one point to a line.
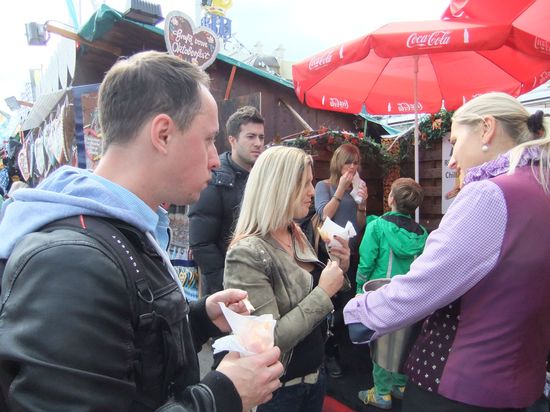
332	278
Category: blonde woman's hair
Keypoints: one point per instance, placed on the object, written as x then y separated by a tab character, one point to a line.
345	153
516	122
273	191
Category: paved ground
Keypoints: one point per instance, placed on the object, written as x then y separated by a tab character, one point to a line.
357	367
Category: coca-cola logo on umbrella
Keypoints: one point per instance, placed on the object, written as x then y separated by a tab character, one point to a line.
199	46
435	39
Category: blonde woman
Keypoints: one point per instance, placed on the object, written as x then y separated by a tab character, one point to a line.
271	259
482	282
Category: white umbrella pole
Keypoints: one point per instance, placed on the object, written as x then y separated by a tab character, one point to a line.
416	132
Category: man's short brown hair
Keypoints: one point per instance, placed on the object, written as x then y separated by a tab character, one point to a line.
145	85
407	194
244	115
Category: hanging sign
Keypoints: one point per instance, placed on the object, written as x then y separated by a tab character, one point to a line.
195	45
23	163
450	179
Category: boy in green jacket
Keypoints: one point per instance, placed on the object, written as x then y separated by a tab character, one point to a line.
389	246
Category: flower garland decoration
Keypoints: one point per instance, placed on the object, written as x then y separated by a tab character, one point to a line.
432	127
332	139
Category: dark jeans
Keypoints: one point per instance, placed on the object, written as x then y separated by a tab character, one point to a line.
298	398
419	400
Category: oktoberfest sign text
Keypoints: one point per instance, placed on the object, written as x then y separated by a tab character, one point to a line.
195	45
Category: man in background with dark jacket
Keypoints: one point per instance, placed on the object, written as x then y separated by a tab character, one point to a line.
212	218
97	325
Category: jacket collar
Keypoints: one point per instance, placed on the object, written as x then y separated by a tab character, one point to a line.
225	159
306	255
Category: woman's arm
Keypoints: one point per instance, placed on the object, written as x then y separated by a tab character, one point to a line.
325	204
248	268
461	252
362	207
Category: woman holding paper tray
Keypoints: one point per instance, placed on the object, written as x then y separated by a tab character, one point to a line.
342	198
272	260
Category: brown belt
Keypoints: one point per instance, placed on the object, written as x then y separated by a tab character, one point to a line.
310	379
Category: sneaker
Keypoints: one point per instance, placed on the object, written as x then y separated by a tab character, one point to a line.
334	369
397	392
370	397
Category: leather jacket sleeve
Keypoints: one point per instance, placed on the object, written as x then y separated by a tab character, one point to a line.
66	330
201	326
200	397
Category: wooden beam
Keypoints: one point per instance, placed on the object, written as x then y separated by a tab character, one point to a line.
230	83
294	113
98	44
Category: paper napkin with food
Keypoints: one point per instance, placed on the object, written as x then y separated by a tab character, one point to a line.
357	183
251	334
329	229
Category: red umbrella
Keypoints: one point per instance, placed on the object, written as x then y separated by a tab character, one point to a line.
529	19
418	67
451	61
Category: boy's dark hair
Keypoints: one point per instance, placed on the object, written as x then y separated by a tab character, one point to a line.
246	114
407	194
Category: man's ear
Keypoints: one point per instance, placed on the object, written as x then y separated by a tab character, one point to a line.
161	128
232	140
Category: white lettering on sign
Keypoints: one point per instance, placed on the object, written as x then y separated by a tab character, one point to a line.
181	36
338	104
542	45
436	39
544	77
408	107
182	50
320	61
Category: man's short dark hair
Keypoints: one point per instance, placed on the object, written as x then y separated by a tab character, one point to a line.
246	114
407	194
143	86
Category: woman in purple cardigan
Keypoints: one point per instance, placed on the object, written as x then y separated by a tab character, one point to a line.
482	284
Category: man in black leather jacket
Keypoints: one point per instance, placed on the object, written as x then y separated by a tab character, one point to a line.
212	218
70	338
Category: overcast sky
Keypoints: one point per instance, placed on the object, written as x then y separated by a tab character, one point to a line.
302	27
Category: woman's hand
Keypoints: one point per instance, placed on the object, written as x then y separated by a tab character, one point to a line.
344	182
340	253
363	192
332	278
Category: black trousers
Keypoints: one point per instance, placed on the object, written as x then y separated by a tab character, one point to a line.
419	400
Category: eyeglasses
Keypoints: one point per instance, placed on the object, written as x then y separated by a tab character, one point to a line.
352	162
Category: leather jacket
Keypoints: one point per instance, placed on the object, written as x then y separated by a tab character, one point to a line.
212	220
277	285
69	340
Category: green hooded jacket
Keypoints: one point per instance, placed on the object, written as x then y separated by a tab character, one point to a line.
392	231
